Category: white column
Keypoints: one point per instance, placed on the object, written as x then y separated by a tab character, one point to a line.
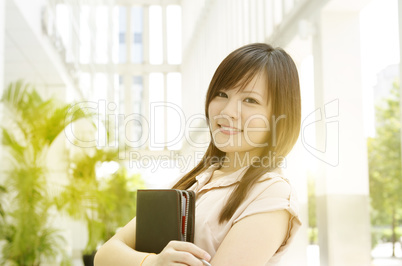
295	170
400	61
2	53
129	35
341	152
145	37
165	111
111	89
2	40
298	162
268	18
245	23
164	34
145	110
252	15
260	21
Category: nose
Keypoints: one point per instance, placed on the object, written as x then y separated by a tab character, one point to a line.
231	109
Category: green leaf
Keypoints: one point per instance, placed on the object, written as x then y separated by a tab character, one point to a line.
384	156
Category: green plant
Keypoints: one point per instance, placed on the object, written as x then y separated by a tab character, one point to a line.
312	233
106	201
312	211
2	213
385	171
30	126
384	234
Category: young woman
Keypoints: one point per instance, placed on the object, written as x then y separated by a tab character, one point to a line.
246	211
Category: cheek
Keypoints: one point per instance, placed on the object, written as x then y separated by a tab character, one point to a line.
212	109
258	128
211	116
256	119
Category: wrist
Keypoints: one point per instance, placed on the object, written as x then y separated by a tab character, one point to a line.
148	259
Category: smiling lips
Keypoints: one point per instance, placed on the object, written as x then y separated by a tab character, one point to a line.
229	130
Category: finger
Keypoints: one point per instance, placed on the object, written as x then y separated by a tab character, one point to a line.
186	258
191	248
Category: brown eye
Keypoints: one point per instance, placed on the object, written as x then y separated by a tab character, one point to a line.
250	100
222	94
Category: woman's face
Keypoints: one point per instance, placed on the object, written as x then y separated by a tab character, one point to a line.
239	119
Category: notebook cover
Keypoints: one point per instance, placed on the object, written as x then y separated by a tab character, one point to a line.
159	218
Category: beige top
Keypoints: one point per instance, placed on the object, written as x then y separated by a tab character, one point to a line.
211	198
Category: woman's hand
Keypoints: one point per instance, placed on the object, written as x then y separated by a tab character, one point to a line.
178	253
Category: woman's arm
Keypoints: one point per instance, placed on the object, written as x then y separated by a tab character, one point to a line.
253	240
120	250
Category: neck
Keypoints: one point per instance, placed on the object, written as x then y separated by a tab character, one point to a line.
236	160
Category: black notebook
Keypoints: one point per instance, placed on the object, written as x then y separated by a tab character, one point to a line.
164	215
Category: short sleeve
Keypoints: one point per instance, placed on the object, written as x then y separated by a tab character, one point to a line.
276	194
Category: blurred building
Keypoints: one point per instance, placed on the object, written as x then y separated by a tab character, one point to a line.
149	62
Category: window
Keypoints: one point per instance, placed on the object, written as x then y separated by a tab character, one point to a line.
101	33
157	111
175	116
136	98
173	34
63	23
121	95
100	87
136	30
85	37
122	34
130	55
155	35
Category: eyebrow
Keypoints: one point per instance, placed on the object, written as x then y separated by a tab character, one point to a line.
248	92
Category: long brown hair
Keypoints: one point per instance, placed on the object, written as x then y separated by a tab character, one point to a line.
239	68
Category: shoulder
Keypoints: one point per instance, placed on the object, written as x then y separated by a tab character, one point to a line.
272	192
277	191
275	183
